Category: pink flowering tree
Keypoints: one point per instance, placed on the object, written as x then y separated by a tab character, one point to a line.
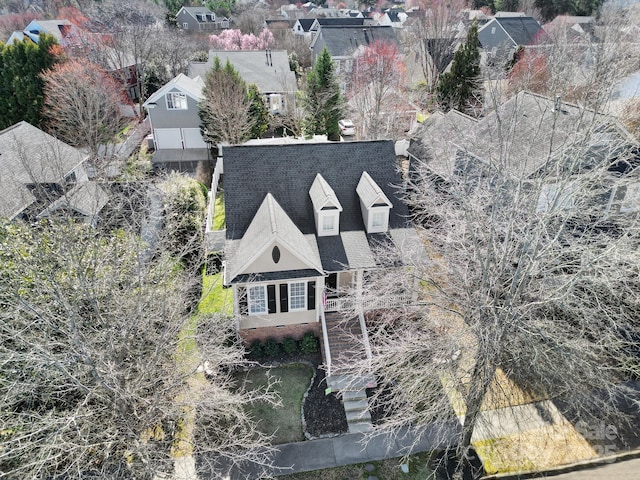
236	40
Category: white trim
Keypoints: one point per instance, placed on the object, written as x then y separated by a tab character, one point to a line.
182	102
250	300
631	204
304	296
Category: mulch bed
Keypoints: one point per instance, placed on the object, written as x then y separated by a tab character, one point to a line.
323	414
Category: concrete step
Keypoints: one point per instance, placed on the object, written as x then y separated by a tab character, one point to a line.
351	395
358	416
360	427
355	405
348	382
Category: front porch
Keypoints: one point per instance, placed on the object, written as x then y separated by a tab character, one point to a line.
346	347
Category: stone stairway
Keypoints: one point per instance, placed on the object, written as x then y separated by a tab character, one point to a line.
346	348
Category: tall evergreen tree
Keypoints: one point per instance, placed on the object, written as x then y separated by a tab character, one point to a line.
230	111
323	101
21	84
458	88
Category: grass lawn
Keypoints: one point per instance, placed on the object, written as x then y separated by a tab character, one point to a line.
214	298
384	470
218	211
284	422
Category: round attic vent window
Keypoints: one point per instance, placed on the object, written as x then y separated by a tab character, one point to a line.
275	254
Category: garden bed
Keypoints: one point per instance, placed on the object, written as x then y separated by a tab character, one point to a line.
323	413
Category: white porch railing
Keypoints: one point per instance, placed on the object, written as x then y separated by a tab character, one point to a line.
367	303
325	338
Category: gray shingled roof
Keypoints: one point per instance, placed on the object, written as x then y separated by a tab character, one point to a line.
29	156
252	66
288	171
340	21
343	41
533	130
86	198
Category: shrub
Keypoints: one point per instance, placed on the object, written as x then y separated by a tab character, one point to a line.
289	345
256	349
271	347
309	343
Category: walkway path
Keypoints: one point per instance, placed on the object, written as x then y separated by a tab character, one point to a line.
347	450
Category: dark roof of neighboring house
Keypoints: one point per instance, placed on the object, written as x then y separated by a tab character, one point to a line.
288	171
343	41
306	23
340	21
523	30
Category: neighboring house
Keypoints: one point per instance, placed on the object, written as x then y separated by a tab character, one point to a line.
36	169
303	223
391	17
501	36
343	42
175	123
543	134
279	27
200	19
84	201
302	27
66	33
269	70
572	29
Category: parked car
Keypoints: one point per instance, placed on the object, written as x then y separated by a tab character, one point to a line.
347	128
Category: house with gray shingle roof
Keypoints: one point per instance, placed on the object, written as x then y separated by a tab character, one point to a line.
269	70
35	170
200	19
175	123
303	223
541	136
503	34
343	42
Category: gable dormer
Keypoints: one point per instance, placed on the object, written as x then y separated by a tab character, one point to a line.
374	204
326	207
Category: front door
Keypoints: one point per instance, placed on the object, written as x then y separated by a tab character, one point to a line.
331	283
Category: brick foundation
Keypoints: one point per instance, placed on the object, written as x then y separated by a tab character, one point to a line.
249	335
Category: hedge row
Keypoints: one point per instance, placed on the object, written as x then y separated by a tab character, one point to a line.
289	346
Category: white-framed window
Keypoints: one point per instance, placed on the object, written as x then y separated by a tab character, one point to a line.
257	300
555	196
185	26
275	99
328	223
493	30
176	101
377	219
631	202
297	296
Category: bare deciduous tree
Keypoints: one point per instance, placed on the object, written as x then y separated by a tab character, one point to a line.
528	272
82	104
101	356
435	36
376	82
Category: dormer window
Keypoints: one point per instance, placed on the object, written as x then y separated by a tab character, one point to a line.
326	207
374	204
176	101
